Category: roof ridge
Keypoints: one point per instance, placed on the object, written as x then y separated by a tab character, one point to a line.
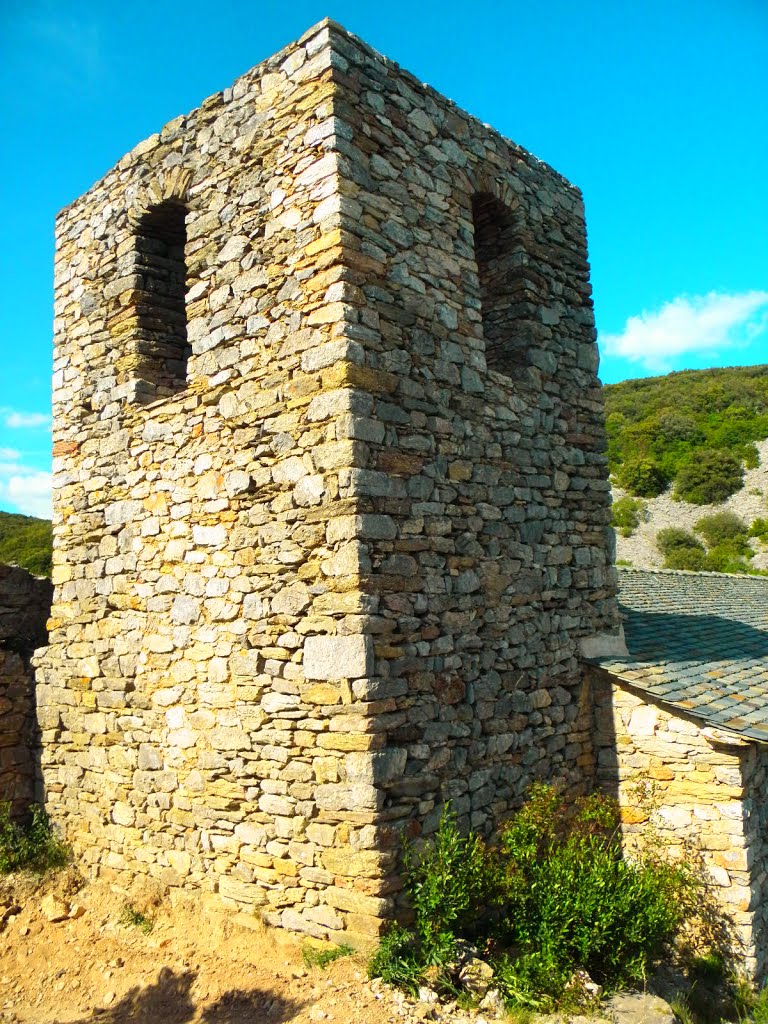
690	572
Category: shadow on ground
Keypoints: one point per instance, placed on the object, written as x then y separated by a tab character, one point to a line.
169	1001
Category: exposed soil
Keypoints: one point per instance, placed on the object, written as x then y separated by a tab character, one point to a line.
198	965
194	966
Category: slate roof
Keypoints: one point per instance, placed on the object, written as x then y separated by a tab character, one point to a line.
698	641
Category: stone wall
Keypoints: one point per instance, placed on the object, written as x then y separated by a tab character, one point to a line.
25	603
707	792
318	569
490	552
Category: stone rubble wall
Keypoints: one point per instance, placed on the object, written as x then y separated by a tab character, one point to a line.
754	770
25	603
485	543
340	577
704	794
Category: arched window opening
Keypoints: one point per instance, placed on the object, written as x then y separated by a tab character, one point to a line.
162	348
507	285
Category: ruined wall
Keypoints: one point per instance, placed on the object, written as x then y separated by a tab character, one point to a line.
336	573
25	603
706	792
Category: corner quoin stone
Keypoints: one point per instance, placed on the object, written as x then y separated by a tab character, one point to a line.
338	657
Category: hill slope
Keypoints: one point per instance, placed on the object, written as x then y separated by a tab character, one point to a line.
749	503
26	541
698	435
694	429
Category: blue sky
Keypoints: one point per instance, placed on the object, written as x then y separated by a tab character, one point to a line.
655	108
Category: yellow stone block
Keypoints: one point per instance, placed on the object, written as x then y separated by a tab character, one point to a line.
285	867
349	741
326	241
460	470
633	815
354	863
321	693
351	375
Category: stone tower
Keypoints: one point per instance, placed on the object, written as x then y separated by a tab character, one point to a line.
331	509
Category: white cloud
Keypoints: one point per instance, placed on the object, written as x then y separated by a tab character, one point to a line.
31	493
704	324
20	420
24	488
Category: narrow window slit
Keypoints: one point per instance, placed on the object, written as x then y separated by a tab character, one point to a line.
508	286
162	348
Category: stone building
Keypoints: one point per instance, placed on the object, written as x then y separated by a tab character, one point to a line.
684	711
331	507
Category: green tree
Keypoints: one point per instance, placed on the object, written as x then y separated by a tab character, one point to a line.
710	477
642	477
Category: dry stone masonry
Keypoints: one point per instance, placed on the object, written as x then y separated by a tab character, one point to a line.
331	509
25	603
699	789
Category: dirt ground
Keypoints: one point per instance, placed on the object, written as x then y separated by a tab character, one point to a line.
193	966
68	955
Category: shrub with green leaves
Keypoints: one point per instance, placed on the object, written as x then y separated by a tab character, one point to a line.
709	477
690	559
722	527
728	551
452	882
133	918
675	538
29	844
575	898
759	529
398	960
627	513
728	558
642	477
555	895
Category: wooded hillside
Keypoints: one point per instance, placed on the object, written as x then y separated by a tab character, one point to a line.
26	541
695	429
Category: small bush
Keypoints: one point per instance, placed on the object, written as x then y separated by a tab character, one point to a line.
315	956
675	538
751	456
575	898
759	529
750	1004
711	476
627	514
30	844
642	477
721	527
398	960
133	918
690	559
452	883
728	558
554	896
